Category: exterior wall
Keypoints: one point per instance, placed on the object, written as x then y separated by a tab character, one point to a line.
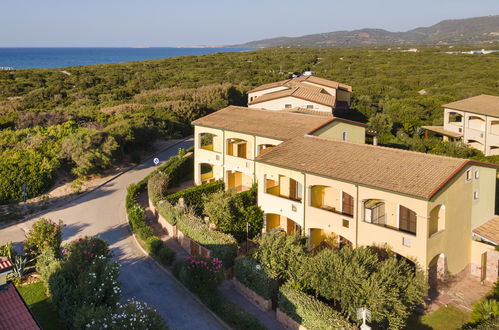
213	157
343	96
275	204
279	104
398	241
254	95
355	133
317	218
484	261
483	208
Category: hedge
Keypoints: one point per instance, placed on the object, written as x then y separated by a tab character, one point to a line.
252	275
223	246
310	312
194	196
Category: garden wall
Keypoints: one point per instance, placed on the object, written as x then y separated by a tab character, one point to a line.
288	322
484	255
264	304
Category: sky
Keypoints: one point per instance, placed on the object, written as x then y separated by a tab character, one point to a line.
164	23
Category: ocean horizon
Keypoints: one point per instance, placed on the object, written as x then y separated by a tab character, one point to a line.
61	57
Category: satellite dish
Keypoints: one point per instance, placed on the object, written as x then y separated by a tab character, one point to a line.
156	161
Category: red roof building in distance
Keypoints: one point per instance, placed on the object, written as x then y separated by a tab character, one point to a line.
14	313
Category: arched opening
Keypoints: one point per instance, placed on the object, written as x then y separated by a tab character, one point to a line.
320	239
284	187
437	220
476	122
407	220
207	173
493	151
455	117
437	273
273	221
263	148
494	127
237	148
207	141
476	144
238	181
331	199
374	211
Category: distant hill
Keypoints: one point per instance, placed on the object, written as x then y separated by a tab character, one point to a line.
476	30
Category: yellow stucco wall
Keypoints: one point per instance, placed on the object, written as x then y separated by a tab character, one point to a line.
254	95
335	130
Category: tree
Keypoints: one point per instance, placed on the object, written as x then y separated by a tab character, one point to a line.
353	278
380	124
280	254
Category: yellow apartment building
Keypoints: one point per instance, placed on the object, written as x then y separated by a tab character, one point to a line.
474	120
424	207
228	141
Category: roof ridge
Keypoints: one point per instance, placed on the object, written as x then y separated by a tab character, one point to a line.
464	160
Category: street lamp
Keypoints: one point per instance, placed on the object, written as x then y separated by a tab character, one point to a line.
365	315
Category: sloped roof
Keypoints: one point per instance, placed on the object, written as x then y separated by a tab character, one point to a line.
489	230
311	79
275	124
14	314
481	104
304	93
5	264
407	172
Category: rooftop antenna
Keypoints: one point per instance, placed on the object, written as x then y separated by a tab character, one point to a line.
365	315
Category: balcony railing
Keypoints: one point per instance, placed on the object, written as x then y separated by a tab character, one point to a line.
276	191
332	209
391	227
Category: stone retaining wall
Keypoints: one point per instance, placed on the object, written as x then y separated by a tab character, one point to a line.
288	322
263	304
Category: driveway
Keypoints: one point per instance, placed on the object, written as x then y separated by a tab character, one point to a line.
102	212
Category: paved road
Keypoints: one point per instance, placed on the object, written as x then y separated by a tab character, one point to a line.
102	213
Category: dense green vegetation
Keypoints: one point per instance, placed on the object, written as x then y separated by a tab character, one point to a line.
85	121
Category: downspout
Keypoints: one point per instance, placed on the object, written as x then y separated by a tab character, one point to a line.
224	146
357	217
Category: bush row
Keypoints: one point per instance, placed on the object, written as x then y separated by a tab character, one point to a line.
194	196
308	311
252	275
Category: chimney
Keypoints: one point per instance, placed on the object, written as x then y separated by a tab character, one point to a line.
5	269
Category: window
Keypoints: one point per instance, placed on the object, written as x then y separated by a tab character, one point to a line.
287	106
310	106
374	212
407	220
406	242
475	195
344	136
468	175
347	204
346	223
477	174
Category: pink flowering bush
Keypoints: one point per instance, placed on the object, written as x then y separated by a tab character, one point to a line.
45	234
201	275
80	253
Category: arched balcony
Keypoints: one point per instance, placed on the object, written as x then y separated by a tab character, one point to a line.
207	141
284	187
237	148
437	220
331	199
278	221
263	148
476	122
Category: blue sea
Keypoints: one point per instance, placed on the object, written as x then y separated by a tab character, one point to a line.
28	58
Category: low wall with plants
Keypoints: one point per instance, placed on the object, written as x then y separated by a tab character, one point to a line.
259	287
184	222
193	197
308	311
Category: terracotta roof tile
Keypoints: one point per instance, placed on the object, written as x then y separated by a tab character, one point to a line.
481	104
5	264
276	124
489	230
310	79
14	314
408	172
301	92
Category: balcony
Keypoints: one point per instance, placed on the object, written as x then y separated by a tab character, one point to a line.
326	198
290	192
239	164
206	156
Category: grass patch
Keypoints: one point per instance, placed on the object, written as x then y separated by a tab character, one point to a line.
444	318
40	305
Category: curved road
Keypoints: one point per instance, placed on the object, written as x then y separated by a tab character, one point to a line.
102	212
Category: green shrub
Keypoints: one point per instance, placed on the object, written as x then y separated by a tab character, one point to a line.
232	212
166	256
144	232
310	312
132	315
253	275
390	288
492	323
201	275
484	310
136	216
153	244
193	197
45	234
223	246
46	265
280	254
171	213
7	250
157	186
79	254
